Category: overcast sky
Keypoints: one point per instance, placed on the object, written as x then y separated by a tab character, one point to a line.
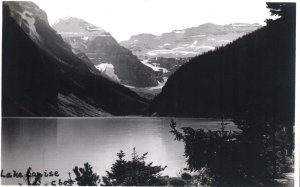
124	18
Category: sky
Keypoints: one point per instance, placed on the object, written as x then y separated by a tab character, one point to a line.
124	18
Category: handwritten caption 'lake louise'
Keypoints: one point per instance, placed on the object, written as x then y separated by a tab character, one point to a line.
31	174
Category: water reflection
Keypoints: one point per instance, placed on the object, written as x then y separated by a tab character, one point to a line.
61	144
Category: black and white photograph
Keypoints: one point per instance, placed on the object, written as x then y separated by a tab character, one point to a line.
149	93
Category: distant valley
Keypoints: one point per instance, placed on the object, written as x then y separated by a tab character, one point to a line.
151	59
145	61
169	51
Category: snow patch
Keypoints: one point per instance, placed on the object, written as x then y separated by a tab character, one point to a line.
194	44
108	69
240	25
187	52
74	33
156	52
224	41
164	45
206	47
29	20
66	18
93	28
175	51
179	31
151	53
200	35
61	19
128	86
160	84
102	35
155	68
85	38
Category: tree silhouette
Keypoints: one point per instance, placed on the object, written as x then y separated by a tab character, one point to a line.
213	150
85	176
282	9
135	172
255	154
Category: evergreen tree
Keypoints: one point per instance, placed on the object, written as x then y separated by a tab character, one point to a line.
213	152
85	176
135	172
282	9
256	154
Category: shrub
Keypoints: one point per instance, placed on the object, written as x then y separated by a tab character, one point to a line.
186	176
177	182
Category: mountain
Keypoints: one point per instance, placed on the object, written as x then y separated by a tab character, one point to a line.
254	75
187	42
42	76
105	53
167	52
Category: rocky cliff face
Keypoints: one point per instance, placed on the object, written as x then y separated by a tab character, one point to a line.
104	51
43	77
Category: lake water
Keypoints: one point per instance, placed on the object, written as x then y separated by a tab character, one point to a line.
59	144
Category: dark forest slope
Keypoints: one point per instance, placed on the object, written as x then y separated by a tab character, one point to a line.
253	75
42	77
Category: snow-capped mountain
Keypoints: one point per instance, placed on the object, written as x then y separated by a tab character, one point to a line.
105	53
187	42
167	52
43	76
75	27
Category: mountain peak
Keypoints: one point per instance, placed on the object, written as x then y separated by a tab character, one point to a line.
69	19
105	53
72	27
208	24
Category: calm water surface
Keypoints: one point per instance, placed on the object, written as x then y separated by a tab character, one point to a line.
60	144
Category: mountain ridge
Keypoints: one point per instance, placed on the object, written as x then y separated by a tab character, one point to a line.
102	48
46	78
187	42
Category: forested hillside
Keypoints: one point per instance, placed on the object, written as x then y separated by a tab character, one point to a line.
253	75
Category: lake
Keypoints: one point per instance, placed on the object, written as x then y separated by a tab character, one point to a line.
60	144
